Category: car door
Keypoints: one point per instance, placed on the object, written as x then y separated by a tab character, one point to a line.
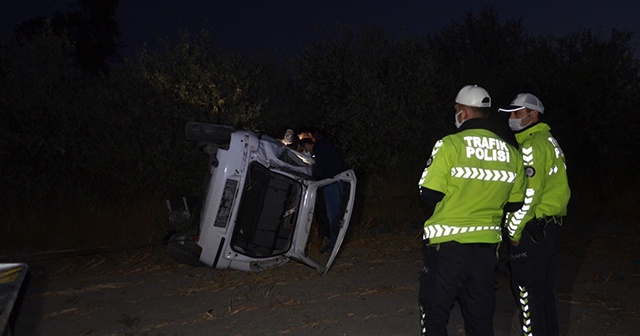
301	249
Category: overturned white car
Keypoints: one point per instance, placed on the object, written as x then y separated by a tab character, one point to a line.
259	203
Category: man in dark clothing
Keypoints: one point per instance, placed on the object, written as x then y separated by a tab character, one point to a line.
328	163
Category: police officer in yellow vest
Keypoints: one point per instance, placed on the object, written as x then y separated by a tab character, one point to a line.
471	177
532	255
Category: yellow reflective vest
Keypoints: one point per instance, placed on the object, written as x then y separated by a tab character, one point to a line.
478	173
547	192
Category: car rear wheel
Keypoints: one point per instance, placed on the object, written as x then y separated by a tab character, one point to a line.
208	133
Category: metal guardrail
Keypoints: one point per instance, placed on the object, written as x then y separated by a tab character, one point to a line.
11	279
48	255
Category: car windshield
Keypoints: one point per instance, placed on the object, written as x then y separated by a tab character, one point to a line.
267	214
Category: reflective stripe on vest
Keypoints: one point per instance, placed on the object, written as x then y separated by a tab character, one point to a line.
483	174
440	230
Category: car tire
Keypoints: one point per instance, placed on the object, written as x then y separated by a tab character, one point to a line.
184	250
208	133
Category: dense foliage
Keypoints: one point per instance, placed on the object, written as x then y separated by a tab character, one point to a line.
74	138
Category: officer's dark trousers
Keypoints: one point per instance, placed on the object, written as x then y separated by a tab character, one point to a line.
464	272
533	268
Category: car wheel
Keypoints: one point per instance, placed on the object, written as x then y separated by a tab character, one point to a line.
208	133
184	250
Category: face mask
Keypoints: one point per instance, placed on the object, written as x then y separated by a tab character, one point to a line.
516	124
458	124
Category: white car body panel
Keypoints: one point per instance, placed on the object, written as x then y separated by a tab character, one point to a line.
260	235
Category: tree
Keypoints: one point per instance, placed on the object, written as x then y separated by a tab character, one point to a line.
592	91
484	51
370	94
92	28
213	86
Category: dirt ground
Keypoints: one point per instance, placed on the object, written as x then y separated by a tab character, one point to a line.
371	290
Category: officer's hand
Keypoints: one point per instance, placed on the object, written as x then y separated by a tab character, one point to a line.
515	242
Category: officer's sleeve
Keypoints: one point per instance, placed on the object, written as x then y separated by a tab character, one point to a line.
517	194
438	170
535	154
433	182
517	200
430	198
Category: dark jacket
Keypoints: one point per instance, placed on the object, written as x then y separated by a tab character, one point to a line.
328	161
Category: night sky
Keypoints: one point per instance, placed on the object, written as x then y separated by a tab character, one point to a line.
288	25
